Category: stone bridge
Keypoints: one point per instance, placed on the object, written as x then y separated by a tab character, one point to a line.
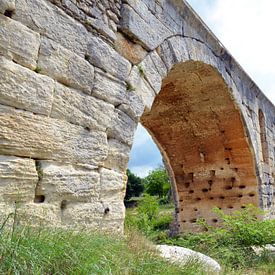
76	76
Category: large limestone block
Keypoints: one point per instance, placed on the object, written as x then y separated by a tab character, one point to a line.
81	109
27	135
62	184
25	89
49	20
65	66
42	214
18	179
18	42
142	88
118	155
123	127
108	88
143	26
105	57
113	185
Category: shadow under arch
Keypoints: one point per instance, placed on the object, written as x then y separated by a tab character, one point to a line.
200	133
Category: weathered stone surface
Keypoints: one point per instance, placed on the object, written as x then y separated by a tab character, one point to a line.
141	88
25	89
52	22
60	183
118	155
7	5
132	105
38	137
18	178
81	109
65	66
214	127
105	57
108	88
139	25
122	127
18	42
131	51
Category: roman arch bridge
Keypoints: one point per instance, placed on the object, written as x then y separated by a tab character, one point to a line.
75	79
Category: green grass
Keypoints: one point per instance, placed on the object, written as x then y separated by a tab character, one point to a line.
46	251
231	244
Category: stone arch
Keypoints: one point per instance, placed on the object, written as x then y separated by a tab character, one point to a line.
192	115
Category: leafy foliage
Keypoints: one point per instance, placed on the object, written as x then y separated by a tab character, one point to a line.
134	185
157	183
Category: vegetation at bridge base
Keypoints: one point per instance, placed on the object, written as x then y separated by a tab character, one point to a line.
231	244
26	250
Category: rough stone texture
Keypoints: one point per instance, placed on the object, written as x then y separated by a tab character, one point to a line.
25	89
77	76
65	66
18	43
18	178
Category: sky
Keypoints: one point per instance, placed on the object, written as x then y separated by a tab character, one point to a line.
246	29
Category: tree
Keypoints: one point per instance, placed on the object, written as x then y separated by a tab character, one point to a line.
157	183
134	185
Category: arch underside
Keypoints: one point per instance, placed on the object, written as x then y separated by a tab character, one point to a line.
200	132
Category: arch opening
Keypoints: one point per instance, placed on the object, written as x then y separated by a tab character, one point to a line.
200	133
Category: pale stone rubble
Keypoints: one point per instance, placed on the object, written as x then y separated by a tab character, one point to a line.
75	78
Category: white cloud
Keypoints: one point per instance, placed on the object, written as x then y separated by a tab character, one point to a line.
245	27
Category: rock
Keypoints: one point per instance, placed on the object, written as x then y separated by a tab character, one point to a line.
122	128
18	178
135	53
25	89
140	87
81	109
65	66
105	57
18	42
267	248
137	17
27	135
45	18
66	182
108	88
180	255
118	155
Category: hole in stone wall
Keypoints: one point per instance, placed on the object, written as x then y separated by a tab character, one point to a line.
8	13
39	198
214	220
63	204
227	160
198	199
240	196
195	209
251	195
222	197
191	191
187	184
211	198
242	186
106	210
228	187
230	207
193	220
243	206
204	190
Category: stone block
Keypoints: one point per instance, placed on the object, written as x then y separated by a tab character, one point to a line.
102	55
18	43
38	137
61	184
118	155
81	109
108	88
52	22
25	89
122	127
141	88
18	179
137	21
65	66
